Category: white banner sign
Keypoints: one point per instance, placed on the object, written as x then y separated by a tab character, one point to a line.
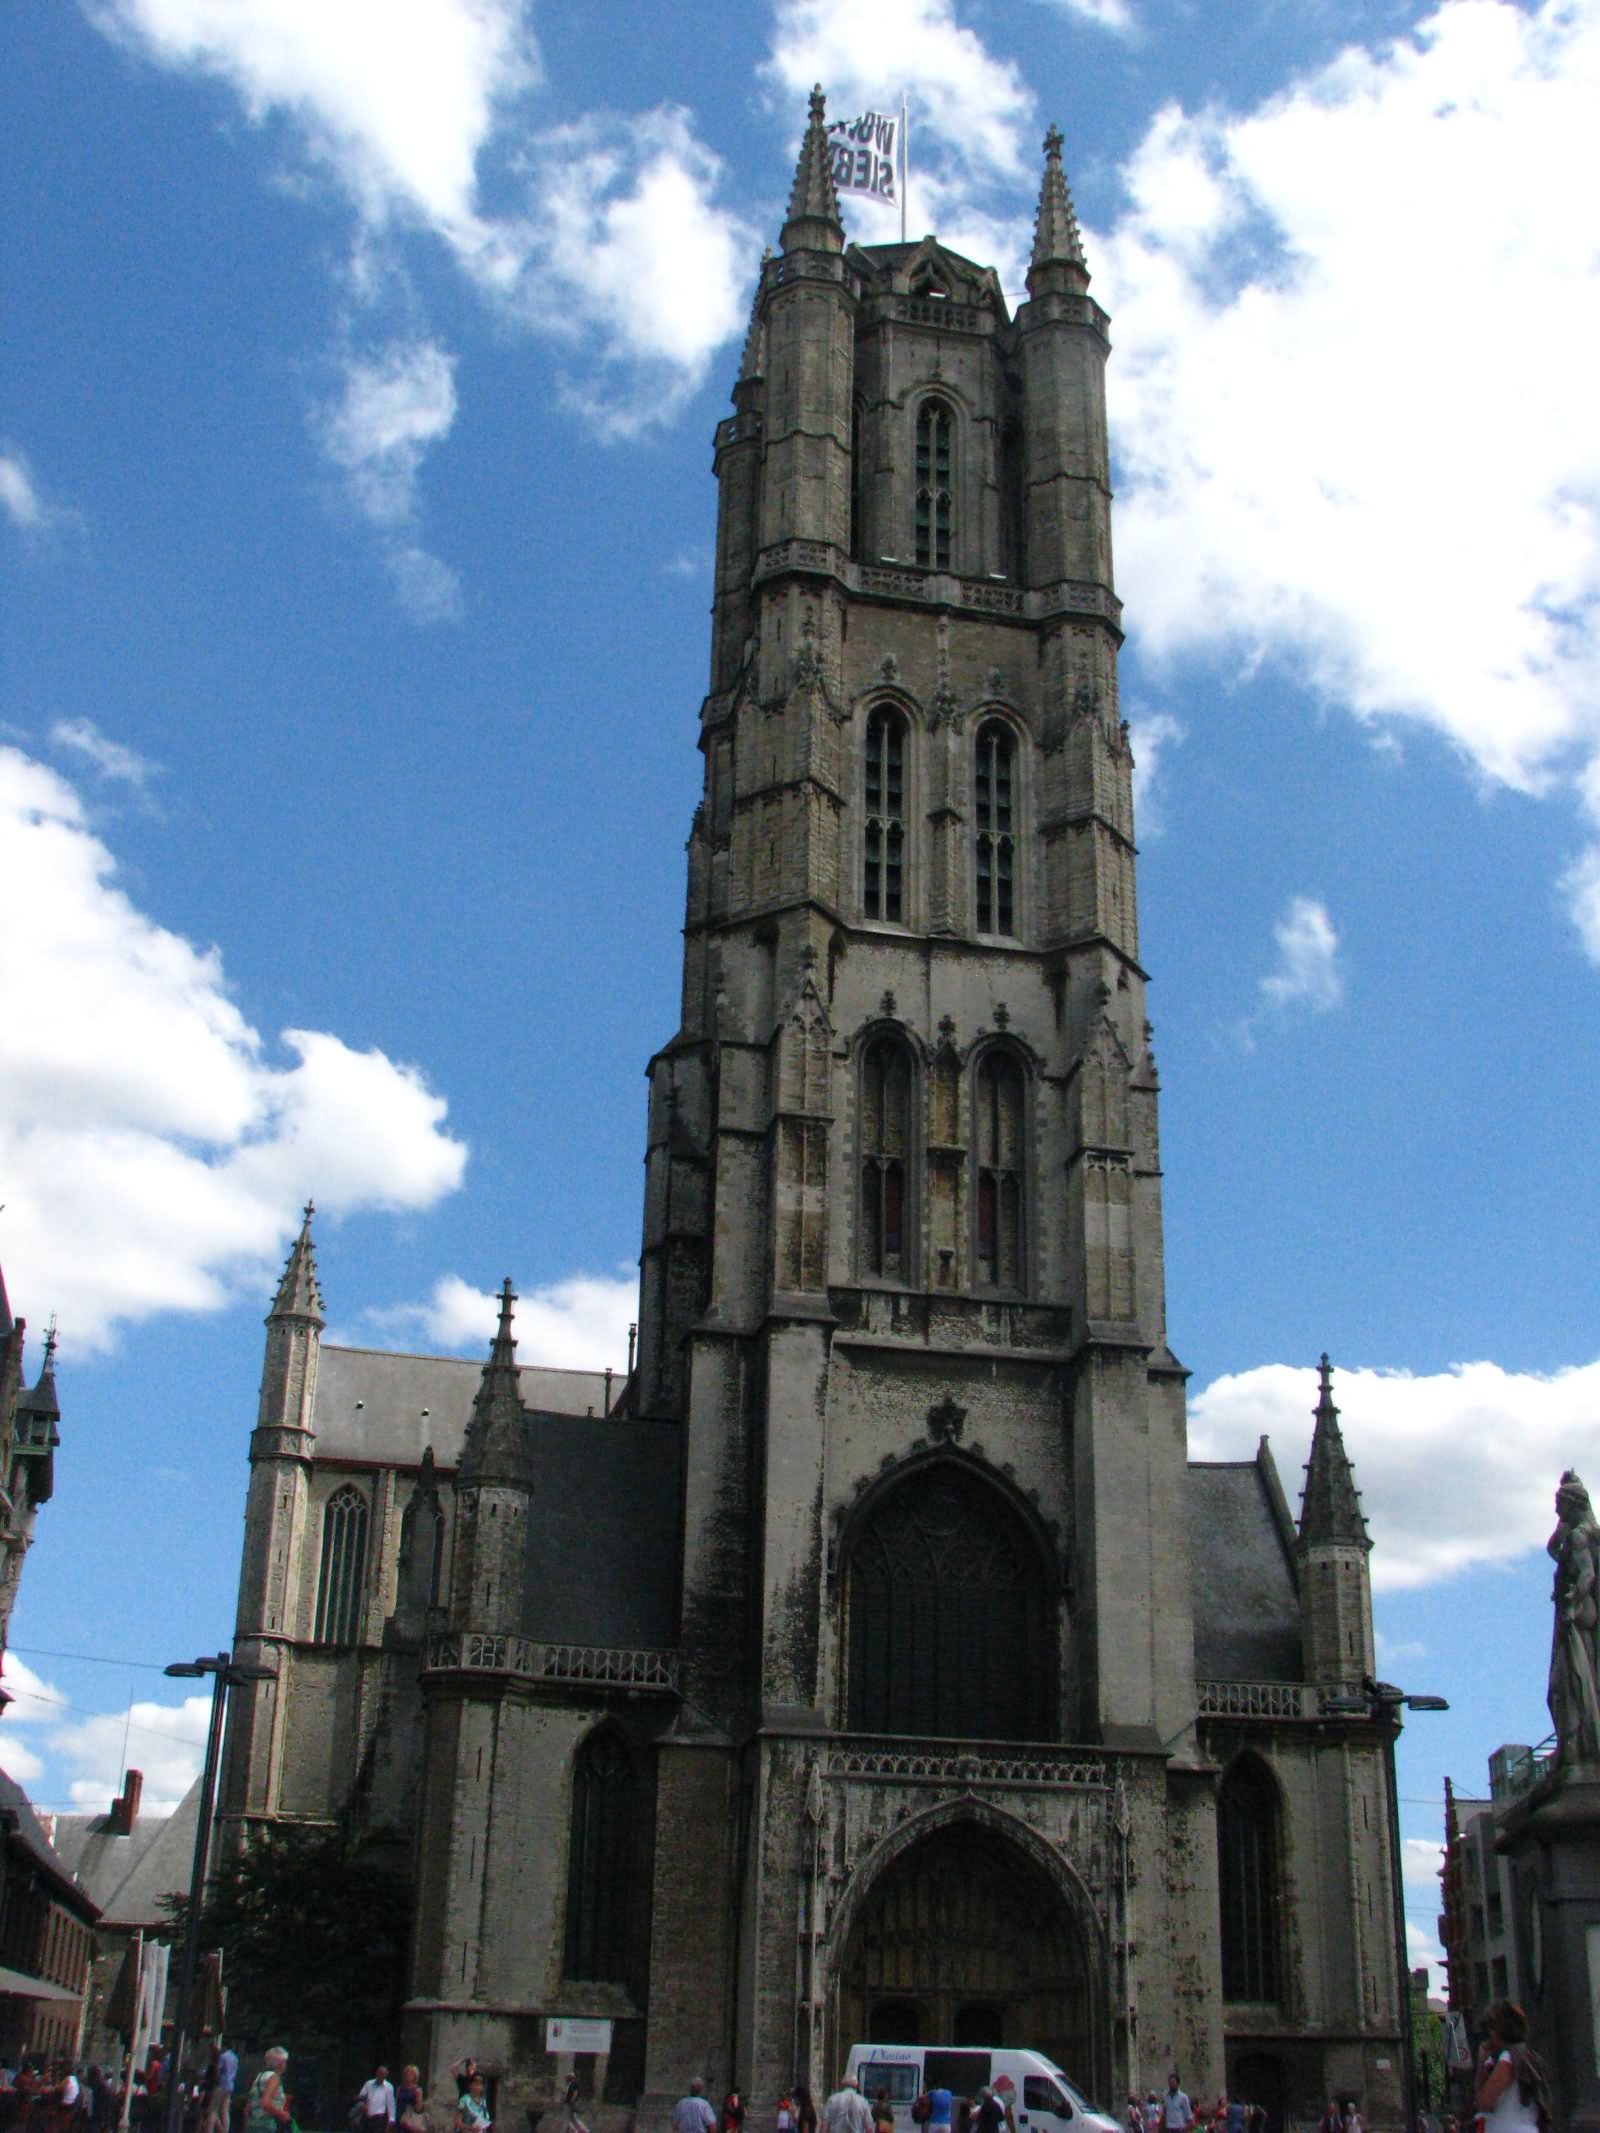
863	154
576	2033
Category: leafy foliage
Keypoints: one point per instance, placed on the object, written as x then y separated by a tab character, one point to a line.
313	1930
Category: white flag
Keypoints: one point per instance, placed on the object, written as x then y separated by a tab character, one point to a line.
863	154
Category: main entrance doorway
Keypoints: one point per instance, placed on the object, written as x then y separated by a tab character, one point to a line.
965	1940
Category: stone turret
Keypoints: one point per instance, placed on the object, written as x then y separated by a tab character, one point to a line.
1333	1547
493	1487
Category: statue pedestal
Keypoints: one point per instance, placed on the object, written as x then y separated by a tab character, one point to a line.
1552	1836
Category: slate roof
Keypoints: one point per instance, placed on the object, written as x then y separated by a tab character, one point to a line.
1243	1576
128	1876
17	1813
370	1402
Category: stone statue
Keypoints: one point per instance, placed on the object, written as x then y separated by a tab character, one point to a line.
1574	1646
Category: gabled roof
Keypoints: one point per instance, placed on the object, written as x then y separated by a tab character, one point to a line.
129	1876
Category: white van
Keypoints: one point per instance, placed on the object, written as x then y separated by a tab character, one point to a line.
1041	2096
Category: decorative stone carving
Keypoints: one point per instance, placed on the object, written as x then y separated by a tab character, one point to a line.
946	1421
1574	1650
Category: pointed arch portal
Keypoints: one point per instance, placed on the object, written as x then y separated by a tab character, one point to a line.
965	1939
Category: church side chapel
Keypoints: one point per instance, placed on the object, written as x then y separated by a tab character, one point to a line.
871	1663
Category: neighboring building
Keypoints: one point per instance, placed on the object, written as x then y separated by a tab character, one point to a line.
47	1922
29	1433
877	1664
132	1866
1478	1925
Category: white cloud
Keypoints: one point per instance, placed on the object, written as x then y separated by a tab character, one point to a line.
605	231
580	1323
970	115
391	408
625	252
1337	448
1151	734
166	1742
113	760
151	1174
1420	1861
1495	1440
1580	887
1104	14
19	498
1306	973
400	103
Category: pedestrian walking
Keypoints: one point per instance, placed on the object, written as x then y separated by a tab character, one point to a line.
692	2113
472	2107
219	2104
846	2109
269	2105
408	2102
375	2105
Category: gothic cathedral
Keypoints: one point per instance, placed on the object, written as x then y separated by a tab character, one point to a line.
871	1662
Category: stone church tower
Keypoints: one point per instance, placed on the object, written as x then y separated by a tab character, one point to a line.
874	1664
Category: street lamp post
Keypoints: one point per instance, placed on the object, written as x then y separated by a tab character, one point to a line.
224	1676
1382	1702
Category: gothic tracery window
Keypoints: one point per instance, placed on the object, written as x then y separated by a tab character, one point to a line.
1248	1874
999	1106
883	881
994	815
885	1158
344	1562
949	1615
600	1877
934	507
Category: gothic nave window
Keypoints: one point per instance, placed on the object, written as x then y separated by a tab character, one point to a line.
885	1156
883	883
1247	1864
949	1615
999	1109
600	1880
344	1563
935	431
994	813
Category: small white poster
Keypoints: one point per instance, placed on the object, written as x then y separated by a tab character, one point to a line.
576	2033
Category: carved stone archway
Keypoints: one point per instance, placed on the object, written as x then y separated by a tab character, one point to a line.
963	1916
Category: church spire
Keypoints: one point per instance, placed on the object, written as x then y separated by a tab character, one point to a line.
298	1295
1330	1511
496	1447
813	224
1057	243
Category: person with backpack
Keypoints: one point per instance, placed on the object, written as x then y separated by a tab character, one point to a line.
1513	2089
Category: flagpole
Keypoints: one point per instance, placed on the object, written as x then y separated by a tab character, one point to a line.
905	165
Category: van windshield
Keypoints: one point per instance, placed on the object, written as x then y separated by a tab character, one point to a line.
1074	2094
899	2079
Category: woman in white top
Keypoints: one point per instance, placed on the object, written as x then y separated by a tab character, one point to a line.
1499	2065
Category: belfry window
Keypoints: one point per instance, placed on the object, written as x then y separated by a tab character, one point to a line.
883	882
344	1565
999	1110
994	814
950	1622
935	432
885	1155
600	1877
1247	1864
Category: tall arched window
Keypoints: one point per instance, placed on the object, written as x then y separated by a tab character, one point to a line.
1247	1866
885	1158
935	511
884	792
344	1565
999	1108
994	816
600	1865
951	1629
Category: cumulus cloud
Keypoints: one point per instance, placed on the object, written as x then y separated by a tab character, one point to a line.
605	230
75	1759
579	1323
152	1174
1497	1439
1104	14
1328	456
390	409
1420	1861
1152	735
1306	973
19	498
973	115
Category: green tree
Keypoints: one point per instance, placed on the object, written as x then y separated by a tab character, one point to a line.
313	1931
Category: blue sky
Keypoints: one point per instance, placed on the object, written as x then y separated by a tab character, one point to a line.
355	520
